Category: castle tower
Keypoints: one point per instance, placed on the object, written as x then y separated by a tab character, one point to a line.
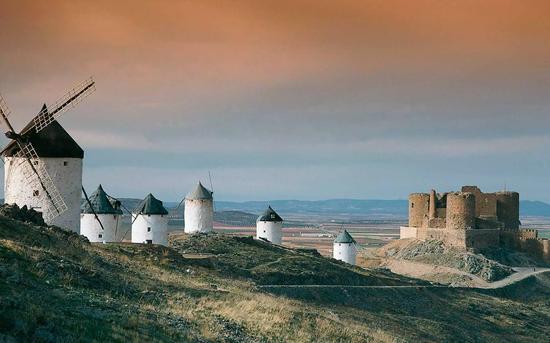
62	157
199	210
109	213
344	248
418	208
508	209
461	211
269	226
151	222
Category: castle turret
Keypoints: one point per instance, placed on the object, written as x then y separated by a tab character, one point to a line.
61	157
418	208
344	248
461	210
199	210
508	209
108	213
151	222
269	226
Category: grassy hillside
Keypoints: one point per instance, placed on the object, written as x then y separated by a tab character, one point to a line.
57	287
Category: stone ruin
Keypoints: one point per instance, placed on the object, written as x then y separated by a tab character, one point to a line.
472	220
23	214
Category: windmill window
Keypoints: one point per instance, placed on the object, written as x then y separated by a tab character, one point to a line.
35	193
148	229
65	163
100	236
149	241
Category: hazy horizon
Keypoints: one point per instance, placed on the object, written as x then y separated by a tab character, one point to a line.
292	99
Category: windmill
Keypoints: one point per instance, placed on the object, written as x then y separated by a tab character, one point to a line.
28	163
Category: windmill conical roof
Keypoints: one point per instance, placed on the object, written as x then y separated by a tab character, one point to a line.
344	237
269	215
150	205
100	203
199	193
52	141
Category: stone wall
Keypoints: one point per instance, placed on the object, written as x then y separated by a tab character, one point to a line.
471	239
526	241
486	203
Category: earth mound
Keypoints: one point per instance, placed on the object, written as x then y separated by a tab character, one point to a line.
435	252
55	286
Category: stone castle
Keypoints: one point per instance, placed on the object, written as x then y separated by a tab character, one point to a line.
472	220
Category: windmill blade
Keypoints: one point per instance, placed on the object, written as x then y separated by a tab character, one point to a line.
65	103
4	114
4	107
34	171
212	190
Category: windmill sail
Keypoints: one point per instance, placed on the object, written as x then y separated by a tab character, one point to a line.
68	101
36	174
4	107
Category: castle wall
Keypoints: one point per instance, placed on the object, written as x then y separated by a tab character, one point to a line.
470	239
418	208
526	240
460	211
408	232
66	174
508	209
486	203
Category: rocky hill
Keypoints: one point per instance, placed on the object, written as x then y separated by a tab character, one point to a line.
57	287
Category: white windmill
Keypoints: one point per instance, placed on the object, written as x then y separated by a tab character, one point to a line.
344	248
269	226
199	210
101	217
151	222
43	164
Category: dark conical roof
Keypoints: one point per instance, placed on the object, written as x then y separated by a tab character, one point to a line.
150	205
100	202
199	193
269	215
344	237
52	141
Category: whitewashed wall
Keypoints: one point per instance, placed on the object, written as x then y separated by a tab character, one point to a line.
66	173
158	232
199	215
272	231
345	252
90	228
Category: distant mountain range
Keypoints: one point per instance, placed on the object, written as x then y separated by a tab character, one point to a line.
341	207
355	207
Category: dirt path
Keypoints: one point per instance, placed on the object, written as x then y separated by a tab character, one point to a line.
348	286
431	273
520	274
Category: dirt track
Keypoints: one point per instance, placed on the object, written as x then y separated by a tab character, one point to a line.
520	274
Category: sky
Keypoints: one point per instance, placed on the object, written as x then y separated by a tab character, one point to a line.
301	99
